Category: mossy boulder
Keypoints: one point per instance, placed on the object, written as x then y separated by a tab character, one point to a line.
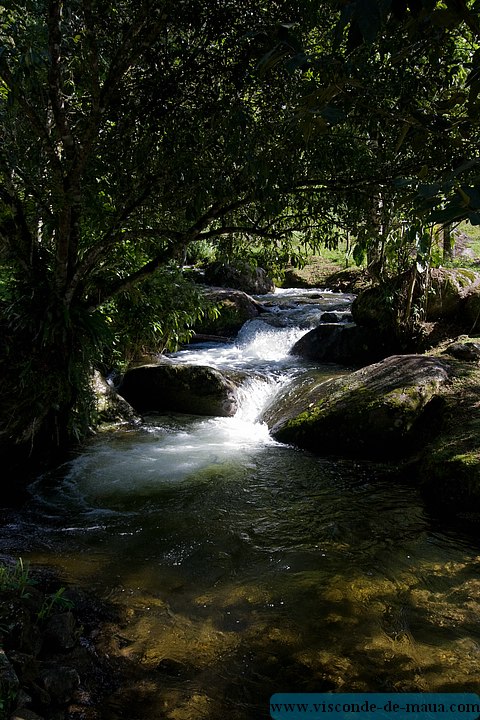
346	344
374	308
192	389
449	468
320	272
380	412
378	306
448	289
253	280
235	309
470	310
110	406
451	479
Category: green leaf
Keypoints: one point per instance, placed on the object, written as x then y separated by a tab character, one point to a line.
429	190
474	218
447	215
358	254
473	195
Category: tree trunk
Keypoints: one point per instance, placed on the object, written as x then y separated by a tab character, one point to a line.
448	243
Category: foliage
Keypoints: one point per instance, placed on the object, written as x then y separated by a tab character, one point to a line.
54	601
119	152
157	315
16	578
396	91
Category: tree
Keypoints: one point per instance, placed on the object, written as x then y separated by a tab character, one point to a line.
395	89
130	130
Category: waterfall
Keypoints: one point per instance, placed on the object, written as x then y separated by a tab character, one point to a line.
262	342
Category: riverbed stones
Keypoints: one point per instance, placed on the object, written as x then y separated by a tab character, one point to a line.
61	631
192	389
379	412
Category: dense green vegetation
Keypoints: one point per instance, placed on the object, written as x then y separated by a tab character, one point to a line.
138	135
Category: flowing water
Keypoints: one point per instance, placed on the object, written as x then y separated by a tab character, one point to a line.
246	567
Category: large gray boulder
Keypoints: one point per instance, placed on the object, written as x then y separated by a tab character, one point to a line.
448	289
235	308
253	280
192	389
379	412
343	344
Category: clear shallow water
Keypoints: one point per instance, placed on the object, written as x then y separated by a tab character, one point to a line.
248	567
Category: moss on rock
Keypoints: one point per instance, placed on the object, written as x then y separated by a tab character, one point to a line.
234	307
448	287
378	412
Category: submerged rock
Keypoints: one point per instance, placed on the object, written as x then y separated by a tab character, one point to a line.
382	411
192	389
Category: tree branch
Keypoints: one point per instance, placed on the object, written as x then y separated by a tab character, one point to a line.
55	85
123	284
26	241
39	127
244	229
108	240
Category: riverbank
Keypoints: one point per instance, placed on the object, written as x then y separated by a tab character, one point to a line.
52	666
322	272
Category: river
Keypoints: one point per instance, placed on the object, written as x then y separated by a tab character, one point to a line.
246	567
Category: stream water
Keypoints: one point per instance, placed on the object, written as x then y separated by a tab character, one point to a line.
246	567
